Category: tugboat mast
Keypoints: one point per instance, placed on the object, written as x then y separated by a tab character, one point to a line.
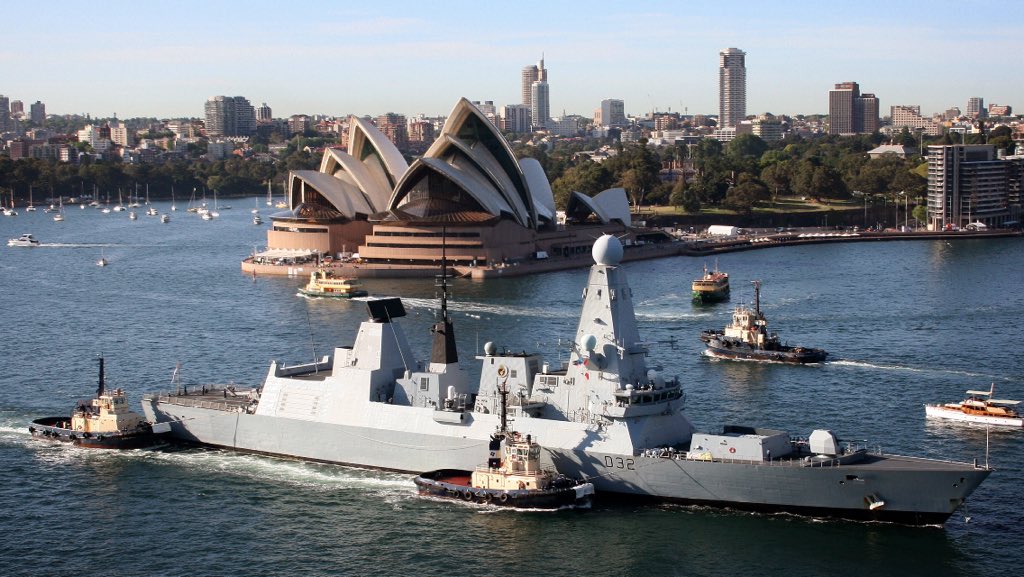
102	387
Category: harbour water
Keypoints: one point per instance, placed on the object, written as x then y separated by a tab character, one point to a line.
905	323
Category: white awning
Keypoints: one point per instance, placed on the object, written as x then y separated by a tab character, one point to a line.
285	253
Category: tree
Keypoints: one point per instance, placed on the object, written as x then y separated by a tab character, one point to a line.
743	197
747	146
588	177
685	198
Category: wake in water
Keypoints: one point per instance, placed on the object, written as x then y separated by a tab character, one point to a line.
926	370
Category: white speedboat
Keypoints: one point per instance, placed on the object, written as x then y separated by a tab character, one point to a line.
979	407
165	218
23	240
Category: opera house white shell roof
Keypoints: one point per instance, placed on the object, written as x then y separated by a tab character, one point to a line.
469	173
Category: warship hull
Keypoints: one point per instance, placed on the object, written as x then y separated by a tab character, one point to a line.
915	491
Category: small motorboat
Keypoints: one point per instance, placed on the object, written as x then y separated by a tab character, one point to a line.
512	477
104	422
23	240
979	407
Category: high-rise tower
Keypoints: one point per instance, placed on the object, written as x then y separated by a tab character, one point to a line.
732	87
532	73
850	112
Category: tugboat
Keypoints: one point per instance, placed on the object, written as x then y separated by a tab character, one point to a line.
323	284
105	422
979	407
713	287
512	477
747	338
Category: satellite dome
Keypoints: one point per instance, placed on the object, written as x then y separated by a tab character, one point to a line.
489	349
607	250
589	342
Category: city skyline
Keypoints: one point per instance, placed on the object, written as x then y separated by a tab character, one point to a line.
410	58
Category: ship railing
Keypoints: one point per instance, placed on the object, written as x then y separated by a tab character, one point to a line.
801	461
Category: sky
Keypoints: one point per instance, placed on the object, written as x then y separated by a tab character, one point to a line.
165	59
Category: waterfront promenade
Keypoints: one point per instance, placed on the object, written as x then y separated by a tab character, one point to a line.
690	246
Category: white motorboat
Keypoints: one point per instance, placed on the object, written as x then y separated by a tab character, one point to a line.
979	407
24	240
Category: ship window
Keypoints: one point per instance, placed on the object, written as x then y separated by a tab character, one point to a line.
512	373
424	383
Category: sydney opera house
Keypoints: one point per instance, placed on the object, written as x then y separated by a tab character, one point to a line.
467	195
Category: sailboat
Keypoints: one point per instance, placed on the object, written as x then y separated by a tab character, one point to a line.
174	207
151	211
102	261
270	198
214	213
30	207
59	217
119	207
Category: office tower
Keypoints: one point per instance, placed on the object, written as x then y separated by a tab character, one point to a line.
849	112
732	87
540	108
17	107
230	116
866	108
975	106
38	113
532	73
613	112
5	112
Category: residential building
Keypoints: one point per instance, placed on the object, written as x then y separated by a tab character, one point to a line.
906	116
966	184
850	112
421	130
230	116
5	113
732	87
298	124
395	129
38	113
975	107
264	114
515	118
17	108
489	111
118	132
999	110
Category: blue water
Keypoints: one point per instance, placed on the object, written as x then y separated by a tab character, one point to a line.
905	323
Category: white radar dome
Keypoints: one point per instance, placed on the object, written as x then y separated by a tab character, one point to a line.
489	349
589	342
607	250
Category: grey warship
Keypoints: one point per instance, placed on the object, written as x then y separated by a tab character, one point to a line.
603	416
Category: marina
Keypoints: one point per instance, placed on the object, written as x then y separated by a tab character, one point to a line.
173	305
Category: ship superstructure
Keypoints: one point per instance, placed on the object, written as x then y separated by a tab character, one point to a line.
605	416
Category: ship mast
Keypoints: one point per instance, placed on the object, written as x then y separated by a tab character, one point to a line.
444	350
101	388
757	298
